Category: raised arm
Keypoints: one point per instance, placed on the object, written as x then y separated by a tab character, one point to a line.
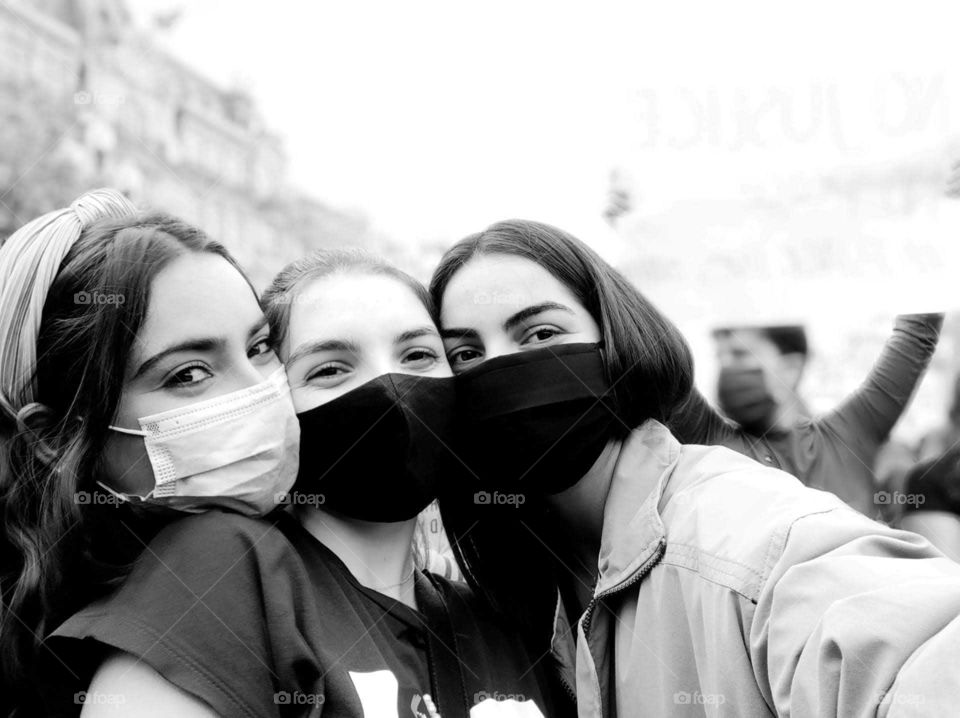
866	417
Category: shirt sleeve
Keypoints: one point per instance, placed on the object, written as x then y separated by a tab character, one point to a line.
211	605
866	417
857	619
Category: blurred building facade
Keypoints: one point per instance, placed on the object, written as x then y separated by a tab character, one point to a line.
127	114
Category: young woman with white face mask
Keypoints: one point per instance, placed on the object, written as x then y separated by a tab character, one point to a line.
694	579
137	386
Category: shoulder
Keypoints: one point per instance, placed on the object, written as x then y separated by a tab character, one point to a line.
216	539
217	528
730	516
124	680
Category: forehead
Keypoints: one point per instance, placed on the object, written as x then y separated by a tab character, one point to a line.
746	340
354	304
198	294
494	286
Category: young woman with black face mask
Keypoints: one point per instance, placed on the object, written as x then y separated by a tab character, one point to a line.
661	578
375	398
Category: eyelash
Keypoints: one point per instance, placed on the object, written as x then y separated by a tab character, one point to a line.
421	350
318	372
172	383
268	347
555	332
454	355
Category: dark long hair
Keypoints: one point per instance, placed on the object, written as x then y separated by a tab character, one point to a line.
57	553
508	556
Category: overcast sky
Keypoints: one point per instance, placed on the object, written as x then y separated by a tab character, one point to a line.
436	118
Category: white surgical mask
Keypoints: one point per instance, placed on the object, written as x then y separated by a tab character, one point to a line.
239	451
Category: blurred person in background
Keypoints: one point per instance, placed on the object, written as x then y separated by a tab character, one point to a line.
760	373
837	451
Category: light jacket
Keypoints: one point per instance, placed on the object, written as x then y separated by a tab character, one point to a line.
727	588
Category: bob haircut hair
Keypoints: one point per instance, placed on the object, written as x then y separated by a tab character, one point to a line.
506	555
647	359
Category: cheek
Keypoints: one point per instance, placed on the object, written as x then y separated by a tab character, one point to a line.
126	466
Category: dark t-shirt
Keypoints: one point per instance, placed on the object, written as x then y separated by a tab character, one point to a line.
257	618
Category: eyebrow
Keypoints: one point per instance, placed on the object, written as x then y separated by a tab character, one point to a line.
329	345
204	344
533	311
416	334
510	323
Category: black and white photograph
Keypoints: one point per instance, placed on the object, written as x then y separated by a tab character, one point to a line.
479	360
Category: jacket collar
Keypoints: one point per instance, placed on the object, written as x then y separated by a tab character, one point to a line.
632	528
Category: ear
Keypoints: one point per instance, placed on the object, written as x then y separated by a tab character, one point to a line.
34	421
793	365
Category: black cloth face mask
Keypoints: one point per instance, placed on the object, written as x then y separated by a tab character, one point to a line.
744	396
379	452
536	420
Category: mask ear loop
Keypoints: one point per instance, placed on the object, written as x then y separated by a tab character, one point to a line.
126	498
128	432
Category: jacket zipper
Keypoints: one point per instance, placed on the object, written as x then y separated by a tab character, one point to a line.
569	689
635	578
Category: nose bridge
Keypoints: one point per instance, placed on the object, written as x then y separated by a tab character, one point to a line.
383	361
244	373
498	344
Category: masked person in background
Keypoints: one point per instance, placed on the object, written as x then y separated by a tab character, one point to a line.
690	575
122	408
322	609
760	372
